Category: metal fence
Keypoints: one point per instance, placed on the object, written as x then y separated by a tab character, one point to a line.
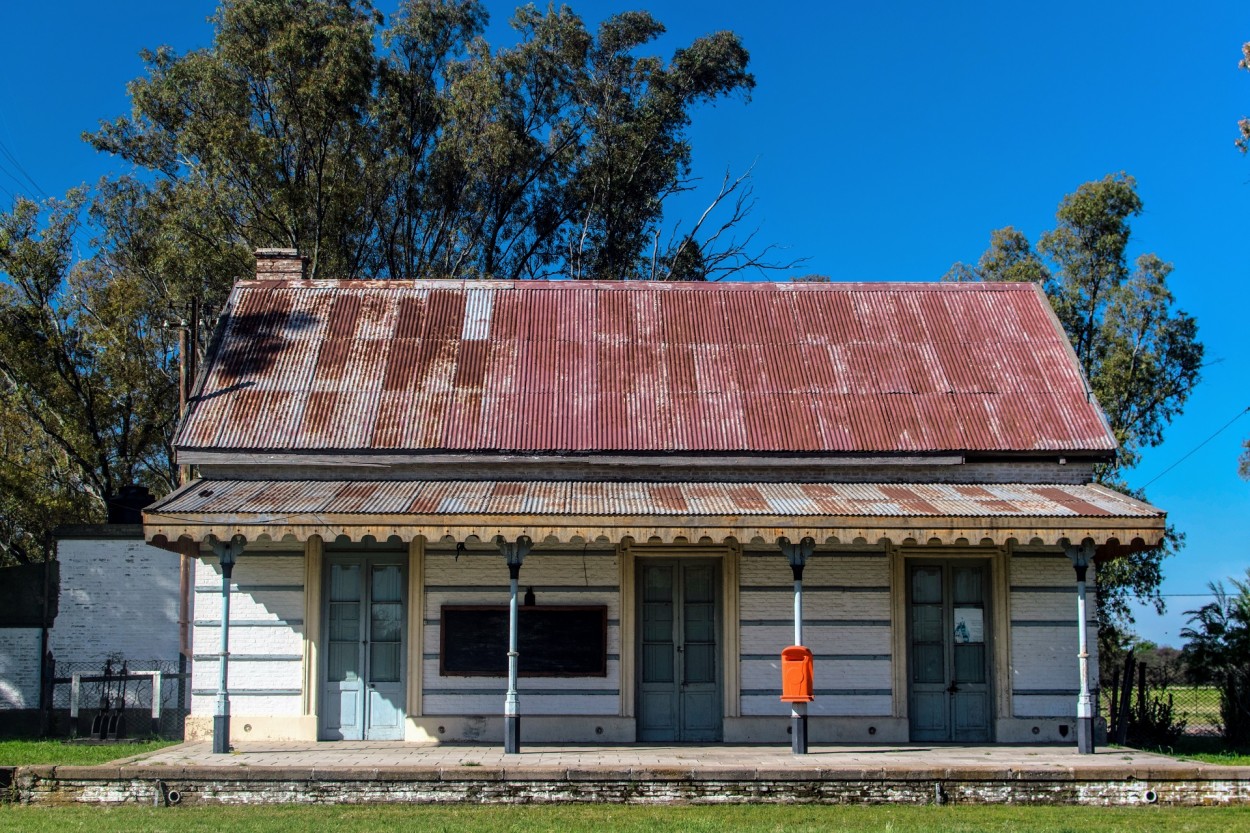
83	691
1144	703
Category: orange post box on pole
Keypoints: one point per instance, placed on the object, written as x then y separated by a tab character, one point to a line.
796	675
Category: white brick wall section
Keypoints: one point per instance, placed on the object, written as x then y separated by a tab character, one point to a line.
846	615
266	635
571	578
1045	675
117	597
250	704
19	668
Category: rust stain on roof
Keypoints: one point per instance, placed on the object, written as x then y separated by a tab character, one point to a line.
633	367
372	497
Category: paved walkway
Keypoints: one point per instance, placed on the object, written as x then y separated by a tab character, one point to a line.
557	757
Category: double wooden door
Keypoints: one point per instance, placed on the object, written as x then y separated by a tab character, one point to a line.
363	670
679	674
949	657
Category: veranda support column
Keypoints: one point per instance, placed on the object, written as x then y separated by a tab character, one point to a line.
515	554
226	556
797	555
1082	557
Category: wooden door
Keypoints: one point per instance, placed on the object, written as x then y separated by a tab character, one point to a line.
679	679
948	656
363	671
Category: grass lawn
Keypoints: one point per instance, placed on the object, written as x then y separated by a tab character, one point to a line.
1206	750
33	752
574	818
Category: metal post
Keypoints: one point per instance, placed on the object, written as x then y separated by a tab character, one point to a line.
797	554
156	702
226	555
1081	558
75	694
515	554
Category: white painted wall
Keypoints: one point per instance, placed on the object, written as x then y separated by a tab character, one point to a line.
19	668
846	624
266	635
568	577
118	596
1045	677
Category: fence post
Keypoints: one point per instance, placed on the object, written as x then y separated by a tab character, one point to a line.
156	702
75	693
1114	714
1126	696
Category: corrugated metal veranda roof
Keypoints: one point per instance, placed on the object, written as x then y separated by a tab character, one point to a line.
611	511
416	366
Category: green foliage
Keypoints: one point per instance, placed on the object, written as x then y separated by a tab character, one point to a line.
1155	722
1010	257
408	149
1218	652
414	149
85	380
1140	355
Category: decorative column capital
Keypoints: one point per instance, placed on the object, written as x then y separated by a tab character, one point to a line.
797	554
227	552
1082	556
514	551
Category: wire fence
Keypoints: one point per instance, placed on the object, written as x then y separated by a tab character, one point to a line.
121	687
1145	703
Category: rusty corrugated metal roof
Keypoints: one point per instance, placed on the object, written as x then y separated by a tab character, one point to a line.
276	499
641	367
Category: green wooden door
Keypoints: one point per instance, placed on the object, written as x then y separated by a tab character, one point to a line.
679	696
948	622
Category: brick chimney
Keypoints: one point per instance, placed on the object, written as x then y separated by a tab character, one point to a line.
280	265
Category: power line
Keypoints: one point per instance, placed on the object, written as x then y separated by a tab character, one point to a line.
1240	414
4	149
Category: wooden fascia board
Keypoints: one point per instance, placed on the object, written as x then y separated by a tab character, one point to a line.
824	529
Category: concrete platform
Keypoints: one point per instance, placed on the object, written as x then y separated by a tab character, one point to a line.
351	773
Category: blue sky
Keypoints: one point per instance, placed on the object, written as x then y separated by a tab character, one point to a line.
889	139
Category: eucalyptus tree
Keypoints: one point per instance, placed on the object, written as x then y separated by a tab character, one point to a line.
1140	353
86	380
380	147
411	147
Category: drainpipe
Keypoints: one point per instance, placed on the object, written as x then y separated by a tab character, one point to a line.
226	554
797	555
1082	557
515	554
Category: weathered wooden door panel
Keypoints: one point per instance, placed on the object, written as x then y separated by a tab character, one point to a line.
679	697
948	656
363	669
384	671
343	684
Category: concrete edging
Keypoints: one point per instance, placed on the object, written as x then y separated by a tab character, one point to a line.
201	785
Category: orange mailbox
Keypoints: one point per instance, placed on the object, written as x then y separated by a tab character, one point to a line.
796	675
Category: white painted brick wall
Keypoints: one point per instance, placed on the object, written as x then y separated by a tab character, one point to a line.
19	668
250	704
266	634
867	600
1044	656
565	577
118	596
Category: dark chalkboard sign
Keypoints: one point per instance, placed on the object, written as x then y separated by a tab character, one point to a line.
553	641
